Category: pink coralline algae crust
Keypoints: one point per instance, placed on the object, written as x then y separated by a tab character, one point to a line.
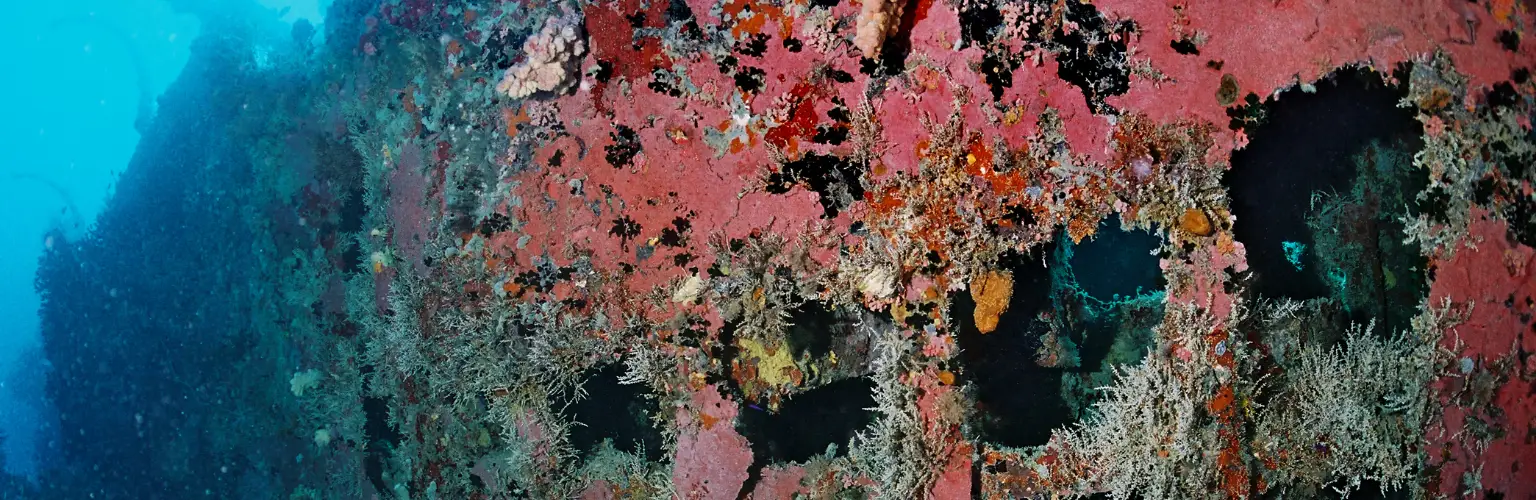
780	482
1497	280
659	137
700	152
612	36
1268	46
712	459
954	480
1205	271
665	153
408	187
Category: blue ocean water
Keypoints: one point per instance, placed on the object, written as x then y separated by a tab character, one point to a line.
82	79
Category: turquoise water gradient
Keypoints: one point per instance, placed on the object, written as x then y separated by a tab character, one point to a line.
72	74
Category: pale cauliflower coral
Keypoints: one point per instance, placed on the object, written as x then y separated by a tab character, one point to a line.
878	20
553	61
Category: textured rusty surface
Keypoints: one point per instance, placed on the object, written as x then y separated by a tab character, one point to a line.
726	170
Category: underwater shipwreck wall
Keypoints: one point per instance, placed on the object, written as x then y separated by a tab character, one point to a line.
174	327
729	248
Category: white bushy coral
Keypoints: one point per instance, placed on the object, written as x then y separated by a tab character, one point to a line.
1367	397
1363	404
1335	414
553	61
895	450
1143	439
